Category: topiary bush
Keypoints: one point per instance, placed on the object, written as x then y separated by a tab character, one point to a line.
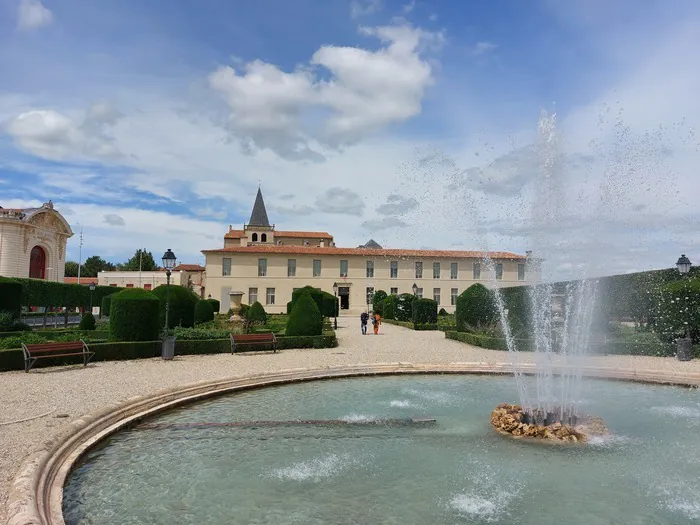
476	308
10	297
203	311
424	311
306	318
677	308
378	298
442	312
404	310
135	316
389	307
105	305
256	315
215	305
517	301
87	321
326	302
244	311
182	303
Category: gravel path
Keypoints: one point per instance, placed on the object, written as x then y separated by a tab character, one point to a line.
69	392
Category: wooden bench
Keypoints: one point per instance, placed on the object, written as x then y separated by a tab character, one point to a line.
32	352
253	339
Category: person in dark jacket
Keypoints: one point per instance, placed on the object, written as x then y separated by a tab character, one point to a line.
363	322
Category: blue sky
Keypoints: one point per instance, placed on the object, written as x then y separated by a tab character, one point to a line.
151	123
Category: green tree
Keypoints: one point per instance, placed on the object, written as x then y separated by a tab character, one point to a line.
71	269
144	259
93	265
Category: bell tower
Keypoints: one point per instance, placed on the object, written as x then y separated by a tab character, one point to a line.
259	230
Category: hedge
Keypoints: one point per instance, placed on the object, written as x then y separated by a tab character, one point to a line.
182	302
412	326
678	307
306	318
256	314
378	298
203	312
10	296
327	302
87	322
105	305
39	292
134	316
115	351
484	341
404	309
475	308
215	304
424	311
48	334
389	307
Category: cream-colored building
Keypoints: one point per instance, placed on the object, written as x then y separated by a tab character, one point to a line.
267	265
188	275
33	242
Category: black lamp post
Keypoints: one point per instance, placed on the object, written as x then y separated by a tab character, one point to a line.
92	289
415	289
169	260
335	294
684	350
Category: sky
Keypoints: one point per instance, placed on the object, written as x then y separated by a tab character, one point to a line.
416	123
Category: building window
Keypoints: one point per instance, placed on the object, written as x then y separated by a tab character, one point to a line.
317	267
454	293
130	285
394	291
436	270
453	270
270	296
113	284
255	237
499	271
262	267
147	286
370	268
226	266
436	295
394	269
370	293
252	295
263	237
476	271
344	268
419	293
521	272
419	270
291	267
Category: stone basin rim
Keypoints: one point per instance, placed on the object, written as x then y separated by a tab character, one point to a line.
36	493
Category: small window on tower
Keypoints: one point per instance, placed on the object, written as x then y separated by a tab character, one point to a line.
255	237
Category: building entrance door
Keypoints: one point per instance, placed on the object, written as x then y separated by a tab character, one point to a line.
344	294
37	263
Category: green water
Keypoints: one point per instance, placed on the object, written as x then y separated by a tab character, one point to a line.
455	471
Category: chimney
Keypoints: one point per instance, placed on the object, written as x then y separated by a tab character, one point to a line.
322	244
528	253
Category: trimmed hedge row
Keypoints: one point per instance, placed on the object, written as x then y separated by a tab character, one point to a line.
117	351
10	296
38	292
134	316
412	326
48	334
327	302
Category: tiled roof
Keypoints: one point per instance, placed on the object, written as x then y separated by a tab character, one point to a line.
259	215
188	268
239	234
83	280
398	253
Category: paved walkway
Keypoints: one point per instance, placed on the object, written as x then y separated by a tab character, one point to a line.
69	392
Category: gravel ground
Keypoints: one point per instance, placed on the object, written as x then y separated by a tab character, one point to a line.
74	391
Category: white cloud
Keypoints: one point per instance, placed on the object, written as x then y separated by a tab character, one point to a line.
341	201
113	219
298	114
407	8
481	48
32	14
385	223
359	8
397	204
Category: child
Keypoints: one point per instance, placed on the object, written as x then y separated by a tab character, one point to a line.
376	321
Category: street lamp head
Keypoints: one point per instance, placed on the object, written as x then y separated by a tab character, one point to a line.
169	260
335	287
92	286
415	289
683	264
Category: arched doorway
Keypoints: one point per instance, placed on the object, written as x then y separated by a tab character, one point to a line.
37	263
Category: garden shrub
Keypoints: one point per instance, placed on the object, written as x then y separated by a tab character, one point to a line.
42	293
326	302
10	297
378	298
105	305
256	315
442	312
389	307
7	321
182	303
678	307
475	308
306	318
215	305
517	301
199	333
424	311
87	322
245	308
290	305
404	309
203	311
135	316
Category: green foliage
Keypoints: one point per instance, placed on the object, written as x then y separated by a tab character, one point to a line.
93	265
199	333
141	259
378	298
256	314
326	302
134	315
389	307
182	303
87	322
424	311
215	304
7	321
677	309
38	292
106	302
71	269
404	308
203	311
306	318
290	304
10	297
517	301
476	308
244	311
443	312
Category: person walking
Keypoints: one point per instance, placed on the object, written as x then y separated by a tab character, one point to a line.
363	322
376	320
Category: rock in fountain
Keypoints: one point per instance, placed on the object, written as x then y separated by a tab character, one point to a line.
511	420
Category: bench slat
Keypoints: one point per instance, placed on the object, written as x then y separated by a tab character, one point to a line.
57	348
55	355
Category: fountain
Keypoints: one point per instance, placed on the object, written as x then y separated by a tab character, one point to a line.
552	411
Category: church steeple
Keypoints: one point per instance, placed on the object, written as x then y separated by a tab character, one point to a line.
259	215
